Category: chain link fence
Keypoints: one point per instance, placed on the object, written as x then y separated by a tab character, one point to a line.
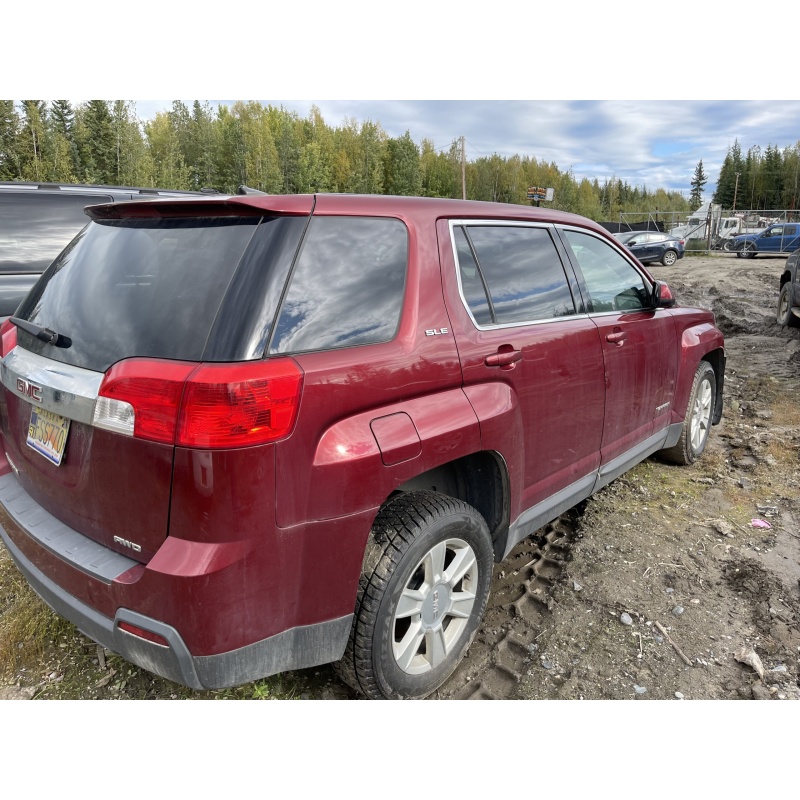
712	229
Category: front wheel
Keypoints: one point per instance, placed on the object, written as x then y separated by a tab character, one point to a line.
729	246
428	571
785	316
698	419
669	258
747	250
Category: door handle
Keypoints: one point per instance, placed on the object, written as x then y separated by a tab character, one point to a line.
505	359
617	338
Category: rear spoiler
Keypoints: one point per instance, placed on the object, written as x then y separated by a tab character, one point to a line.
239	206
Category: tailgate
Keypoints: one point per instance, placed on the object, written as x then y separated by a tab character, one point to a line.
113	489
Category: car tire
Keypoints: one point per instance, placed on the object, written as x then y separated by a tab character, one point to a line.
747	250
785	316
669	258
729	246
421	597
697	420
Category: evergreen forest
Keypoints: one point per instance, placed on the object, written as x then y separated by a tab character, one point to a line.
761	179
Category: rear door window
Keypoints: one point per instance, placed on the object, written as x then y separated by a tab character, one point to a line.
522	271
347	286
35	227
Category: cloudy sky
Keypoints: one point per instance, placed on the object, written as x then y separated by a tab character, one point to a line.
513	77
656	143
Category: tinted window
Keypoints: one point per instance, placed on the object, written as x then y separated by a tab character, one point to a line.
137	288
35	227
347	286
612	282
523	272
471	281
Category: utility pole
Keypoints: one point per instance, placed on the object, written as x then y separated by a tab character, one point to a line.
736	190
463	170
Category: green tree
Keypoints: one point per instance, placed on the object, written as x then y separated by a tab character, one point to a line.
168	170
9	125
97	144
202	146
772	171
730	178
699	180
401	167
32	142
66	161
439	172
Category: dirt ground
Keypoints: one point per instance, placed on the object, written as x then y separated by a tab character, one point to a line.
661	586
658	587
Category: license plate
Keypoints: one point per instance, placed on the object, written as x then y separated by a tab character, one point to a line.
47	434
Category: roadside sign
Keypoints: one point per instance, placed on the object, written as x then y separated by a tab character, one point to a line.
540	193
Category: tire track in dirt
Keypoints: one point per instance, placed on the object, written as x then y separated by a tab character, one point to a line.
506	643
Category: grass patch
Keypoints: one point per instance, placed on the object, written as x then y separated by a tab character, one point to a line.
27	625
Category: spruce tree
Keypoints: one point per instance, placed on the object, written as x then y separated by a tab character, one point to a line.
698	182
98	145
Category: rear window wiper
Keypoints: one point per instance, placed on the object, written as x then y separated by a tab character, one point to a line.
45	335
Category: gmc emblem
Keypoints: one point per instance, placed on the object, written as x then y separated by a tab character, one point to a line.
29	389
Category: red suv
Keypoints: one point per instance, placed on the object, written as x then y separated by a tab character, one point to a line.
251	434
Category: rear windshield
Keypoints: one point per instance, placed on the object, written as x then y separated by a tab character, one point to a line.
35	227
148	288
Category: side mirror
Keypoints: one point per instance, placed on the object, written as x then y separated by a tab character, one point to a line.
662	296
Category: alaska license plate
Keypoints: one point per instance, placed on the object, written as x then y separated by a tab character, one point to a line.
47	434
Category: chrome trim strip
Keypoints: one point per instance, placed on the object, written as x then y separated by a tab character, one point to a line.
65	390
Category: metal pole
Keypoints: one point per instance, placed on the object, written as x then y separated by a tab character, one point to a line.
463	170
736	190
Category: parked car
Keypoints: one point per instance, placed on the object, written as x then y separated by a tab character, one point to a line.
776	239
650	246
252	434
37	220
789	295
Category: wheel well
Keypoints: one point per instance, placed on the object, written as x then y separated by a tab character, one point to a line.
784	279
480	479
717	360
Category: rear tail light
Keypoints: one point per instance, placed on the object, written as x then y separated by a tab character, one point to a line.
237	405
209	406
142	398
8	337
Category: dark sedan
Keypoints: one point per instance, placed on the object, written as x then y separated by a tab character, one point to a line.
650	246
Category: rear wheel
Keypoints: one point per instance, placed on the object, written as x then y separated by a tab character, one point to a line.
698	418
669	258
785	316
428	571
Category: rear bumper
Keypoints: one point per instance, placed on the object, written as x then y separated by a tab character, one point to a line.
295	648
